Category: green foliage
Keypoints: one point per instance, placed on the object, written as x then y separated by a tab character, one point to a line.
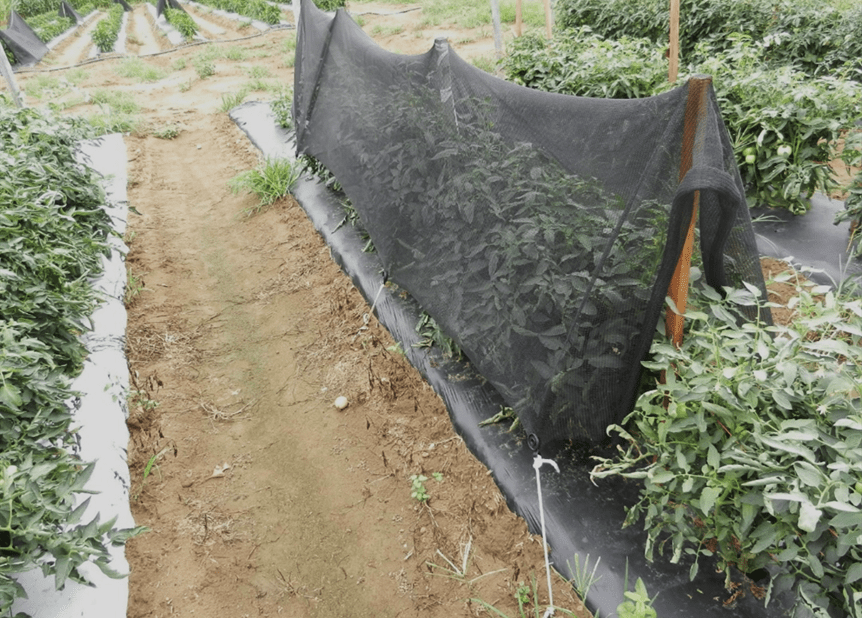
271	180
784	123
182	22
204	64
140	69
815	38
330	5
853	212
852	156
790	122
417	488
527	597
638	604
616	19
232	99
31	8
584	578
310	165
502	213
9	55
107	31
255	9
118	112
53	233
433	336
281	108
583	63
117	100
751	450
49	25
168	131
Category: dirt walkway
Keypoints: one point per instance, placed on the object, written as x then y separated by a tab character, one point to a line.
143	35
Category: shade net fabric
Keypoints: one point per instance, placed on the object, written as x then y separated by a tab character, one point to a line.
539	230
22	41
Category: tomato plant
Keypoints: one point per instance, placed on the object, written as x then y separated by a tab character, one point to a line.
749	452
53	233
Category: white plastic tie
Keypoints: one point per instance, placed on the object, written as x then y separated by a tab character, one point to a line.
538	462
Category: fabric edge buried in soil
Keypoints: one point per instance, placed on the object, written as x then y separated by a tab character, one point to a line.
580	518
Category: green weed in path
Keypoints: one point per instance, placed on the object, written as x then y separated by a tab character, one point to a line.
270	181
140	70
118	112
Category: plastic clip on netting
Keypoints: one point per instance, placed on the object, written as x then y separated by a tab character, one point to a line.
540	231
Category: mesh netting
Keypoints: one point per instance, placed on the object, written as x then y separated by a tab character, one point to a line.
22	41
539	230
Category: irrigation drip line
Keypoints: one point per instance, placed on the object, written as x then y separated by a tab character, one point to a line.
104	57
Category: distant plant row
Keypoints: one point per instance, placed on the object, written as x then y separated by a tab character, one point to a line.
816	39
253	9
787	100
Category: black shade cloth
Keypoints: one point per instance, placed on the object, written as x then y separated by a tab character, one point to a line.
22	41
582	518
66	10
539	230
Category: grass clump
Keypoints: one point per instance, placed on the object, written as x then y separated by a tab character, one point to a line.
204	65
168	131
235	53
270	181
118	112
140	70
232	99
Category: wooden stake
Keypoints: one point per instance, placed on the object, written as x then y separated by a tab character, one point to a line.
6	69
519	18
498	35
549	19
695	112
673	51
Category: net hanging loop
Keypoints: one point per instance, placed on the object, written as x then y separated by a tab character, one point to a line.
538	462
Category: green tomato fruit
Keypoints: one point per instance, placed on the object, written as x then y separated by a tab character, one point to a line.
784	150
749	151
750	159
858	487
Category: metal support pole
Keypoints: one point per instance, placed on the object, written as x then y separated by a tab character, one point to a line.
6	69
498	36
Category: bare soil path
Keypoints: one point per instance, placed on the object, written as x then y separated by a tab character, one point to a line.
143	35
261	497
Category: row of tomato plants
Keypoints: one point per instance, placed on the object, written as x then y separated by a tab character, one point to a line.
748	453
253	9
787	124
53	233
